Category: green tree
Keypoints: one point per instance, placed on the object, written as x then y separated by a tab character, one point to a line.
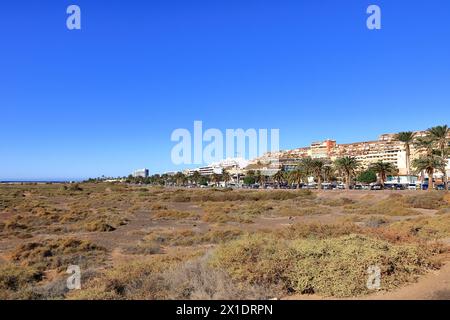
367	176
383	169
248	180
203	181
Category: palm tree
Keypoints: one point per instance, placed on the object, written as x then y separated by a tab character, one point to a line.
424	144
439	135
428	163
307	165
179	178
317	166
196	177
279	177
328	173
407	137
225	177
296	176
348	166
259	178
383	169
216	178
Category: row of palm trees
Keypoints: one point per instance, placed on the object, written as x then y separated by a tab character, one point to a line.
434	149
324	170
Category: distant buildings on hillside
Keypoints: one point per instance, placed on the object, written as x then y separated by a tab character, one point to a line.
386	149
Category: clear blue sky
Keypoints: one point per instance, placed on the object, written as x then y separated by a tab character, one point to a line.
105	100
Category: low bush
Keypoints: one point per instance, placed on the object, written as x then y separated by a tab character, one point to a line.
144	247
329	267
318	230
16	281
428	228
58	254
164	278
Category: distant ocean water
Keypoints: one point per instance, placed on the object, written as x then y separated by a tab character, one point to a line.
42	181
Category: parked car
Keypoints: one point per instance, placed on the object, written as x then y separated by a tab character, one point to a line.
358	187
341	186
412	186
440	187
398	186
377	186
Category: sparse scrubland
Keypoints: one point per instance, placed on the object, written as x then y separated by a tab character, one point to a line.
135	242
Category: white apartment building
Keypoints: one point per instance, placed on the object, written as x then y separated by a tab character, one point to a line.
143	173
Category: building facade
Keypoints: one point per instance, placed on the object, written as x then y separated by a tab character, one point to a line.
143	173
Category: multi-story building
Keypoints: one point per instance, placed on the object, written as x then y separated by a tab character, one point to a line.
232	165
143	173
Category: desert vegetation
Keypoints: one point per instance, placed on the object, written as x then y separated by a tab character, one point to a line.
135	242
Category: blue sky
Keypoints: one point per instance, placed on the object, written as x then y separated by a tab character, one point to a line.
105	99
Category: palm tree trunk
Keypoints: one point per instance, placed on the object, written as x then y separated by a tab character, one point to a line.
445	171
408	151
430	180
347	182
445	181
319	183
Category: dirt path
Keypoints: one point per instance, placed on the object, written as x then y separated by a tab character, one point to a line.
434	285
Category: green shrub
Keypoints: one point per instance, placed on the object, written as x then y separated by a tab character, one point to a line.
329	267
